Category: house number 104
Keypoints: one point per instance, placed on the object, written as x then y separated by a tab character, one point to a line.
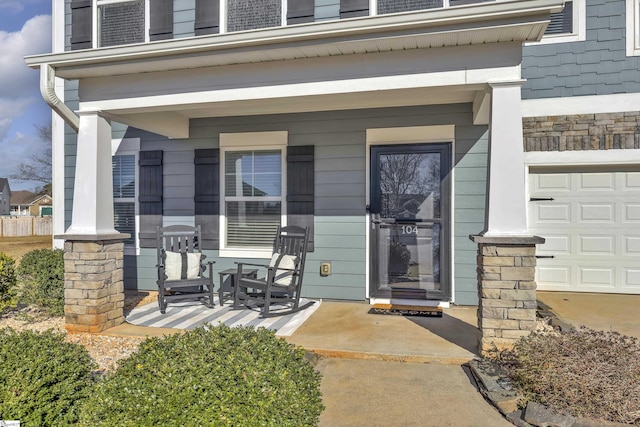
409	229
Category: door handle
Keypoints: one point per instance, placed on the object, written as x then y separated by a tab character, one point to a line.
541	199
545	256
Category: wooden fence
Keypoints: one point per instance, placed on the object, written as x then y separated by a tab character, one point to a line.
26	226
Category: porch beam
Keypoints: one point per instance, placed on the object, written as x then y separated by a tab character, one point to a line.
506	200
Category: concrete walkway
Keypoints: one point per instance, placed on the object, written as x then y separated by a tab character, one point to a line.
602	312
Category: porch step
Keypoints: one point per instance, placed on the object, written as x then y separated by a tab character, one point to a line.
406	310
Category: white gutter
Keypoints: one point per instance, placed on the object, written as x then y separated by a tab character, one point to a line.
48	91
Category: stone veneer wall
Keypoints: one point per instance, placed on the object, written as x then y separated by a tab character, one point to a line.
582	132
93	285
507	292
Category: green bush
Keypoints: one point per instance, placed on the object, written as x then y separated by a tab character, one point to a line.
43	379
209	377
7	280
41	279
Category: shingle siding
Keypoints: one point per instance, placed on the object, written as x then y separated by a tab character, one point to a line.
596	66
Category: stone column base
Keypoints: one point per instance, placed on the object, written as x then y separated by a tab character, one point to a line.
93	282
506	290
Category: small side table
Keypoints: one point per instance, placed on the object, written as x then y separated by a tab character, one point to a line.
228	282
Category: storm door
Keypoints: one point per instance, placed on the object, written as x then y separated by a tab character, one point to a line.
410	209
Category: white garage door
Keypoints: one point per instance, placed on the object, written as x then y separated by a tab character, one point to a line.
592	230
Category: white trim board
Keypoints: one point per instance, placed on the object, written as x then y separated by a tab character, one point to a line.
594	104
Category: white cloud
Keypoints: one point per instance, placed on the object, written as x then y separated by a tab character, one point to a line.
33	38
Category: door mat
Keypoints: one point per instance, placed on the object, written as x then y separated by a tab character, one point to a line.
406	310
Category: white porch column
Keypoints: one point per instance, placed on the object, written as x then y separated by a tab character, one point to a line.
93	192
506	205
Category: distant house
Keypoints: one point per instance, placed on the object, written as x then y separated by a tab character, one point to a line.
5	196
26	203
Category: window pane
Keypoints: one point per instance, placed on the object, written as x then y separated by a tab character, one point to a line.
253	173
394	6
252	14
124	176
124	216
121	23
252	224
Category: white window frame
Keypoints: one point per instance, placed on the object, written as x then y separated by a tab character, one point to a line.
128	147
95	23
251	141
579	27
633	27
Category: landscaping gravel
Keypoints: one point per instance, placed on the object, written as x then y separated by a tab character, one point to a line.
104	349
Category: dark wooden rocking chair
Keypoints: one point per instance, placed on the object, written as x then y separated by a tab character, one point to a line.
283	279
181	266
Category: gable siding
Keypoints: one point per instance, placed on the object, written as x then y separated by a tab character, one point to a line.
596	66
340	180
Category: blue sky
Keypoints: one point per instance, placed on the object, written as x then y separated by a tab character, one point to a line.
25	29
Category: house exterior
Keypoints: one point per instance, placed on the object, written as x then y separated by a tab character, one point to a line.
581	108
25	203
394	130
5	197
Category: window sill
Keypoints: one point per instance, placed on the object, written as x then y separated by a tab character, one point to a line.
246	253
560	38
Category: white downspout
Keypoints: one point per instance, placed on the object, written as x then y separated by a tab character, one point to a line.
48	91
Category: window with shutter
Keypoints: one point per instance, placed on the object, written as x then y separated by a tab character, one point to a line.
252	192
300	11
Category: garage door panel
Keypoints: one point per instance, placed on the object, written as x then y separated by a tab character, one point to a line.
553	213
632	278
596	277
632	181
596	245
596	212
595	181
556	245
631	246
631	212
553	182
556	276
592	227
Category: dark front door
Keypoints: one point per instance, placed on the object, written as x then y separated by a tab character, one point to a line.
410	208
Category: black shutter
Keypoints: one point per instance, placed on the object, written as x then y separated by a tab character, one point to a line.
353	8
160	20
300	189
562	22
81	24
207	17
150	186
300	11
207	197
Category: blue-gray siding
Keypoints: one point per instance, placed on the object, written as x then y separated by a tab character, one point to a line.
340	140
597	66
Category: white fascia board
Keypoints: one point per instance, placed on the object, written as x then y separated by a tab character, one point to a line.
483	14
274	92
595	104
